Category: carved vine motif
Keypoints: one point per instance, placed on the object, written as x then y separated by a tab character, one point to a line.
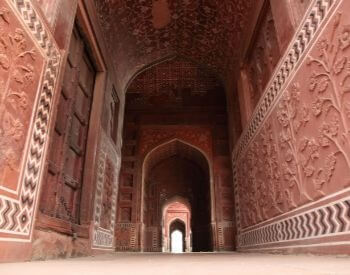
261	191
292	116
17	74
329	84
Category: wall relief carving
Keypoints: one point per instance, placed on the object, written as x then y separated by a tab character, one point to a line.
19	72
29	65
309	121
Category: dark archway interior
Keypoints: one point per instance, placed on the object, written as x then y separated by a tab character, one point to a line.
180	170
180	226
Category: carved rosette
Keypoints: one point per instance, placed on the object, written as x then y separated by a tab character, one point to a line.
29	65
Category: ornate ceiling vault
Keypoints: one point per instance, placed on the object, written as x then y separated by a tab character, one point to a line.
175	83
139	32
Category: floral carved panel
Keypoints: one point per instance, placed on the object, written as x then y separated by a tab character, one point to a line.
302	152
297	161
29	65
20	70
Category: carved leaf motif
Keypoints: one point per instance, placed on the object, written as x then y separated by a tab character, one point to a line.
347	109
330	163
18	100
344	38
313	82
12	127
322	85
4	15
317	107
339	65
303	144
289	156
293	110
330	129
282	117
324	141
309	170
318	183
324	175
10	158
322	46
4	62
305	112
297	124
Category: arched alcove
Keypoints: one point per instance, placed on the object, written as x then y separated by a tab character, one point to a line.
176	169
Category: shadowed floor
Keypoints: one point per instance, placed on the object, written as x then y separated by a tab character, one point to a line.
185	264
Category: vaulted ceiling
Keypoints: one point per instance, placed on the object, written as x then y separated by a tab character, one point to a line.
175	84
141	32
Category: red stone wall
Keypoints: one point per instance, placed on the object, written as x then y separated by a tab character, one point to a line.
35	37
291	163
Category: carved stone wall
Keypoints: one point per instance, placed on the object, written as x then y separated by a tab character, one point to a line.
291	165
263	56
29	65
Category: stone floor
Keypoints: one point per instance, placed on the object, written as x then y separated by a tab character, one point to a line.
185	264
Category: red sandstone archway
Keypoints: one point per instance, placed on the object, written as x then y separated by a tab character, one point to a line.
176	209
151	236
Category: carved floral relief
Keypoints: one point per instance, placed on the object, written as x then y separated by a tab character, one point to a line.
20	67
302	152
260	189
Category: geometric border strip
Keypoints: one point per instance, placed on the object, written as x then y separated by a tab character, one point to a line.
104	238
329	220
319	11
18	215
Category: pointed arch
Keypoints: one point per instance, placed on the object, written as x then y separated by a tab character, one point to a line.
160	153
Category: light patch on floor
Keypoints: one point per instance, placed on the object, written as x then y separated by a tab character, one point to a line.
186	264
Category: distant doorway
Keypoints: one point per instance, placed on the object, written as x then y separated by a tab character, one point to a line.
177	242
177	236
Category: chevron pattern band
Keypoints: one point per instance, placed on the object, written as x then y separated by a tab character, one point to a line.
324	221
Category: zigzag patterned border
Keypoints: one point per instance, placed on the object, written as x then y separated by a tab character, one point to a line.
329	220
104	238
16	217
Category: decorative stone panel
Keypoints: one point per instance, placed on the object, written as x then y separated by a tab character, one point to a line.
29	66
106	194
292	162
